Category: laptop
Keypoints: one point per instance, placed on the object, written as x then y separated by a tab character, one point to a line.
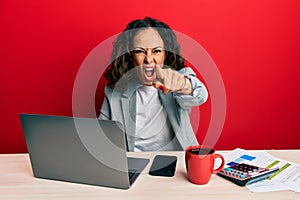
80	150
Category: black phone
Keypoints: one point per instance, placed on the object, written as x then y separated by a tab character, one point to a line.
163	165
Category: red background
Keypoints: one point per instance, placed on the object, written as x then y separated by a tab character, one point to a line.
255	45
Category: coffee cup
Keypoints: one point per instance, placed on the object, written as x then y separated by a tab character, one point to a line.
199	161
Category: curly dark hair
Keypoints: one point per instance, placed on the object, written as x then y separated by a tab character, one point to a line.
122	60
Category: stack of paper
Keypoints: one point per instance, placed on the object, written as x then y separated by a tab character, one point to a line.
286	178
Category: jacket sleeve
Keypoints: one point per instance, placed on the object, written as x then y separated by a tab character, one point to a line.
199	92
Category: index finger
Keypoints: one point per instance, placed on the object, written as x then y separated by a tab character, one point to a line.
159	72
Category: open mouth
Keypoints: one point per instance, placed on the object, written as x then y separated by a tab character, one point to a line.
149	74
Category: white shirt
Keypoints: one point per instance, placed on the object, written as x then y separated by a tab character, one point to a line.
153	129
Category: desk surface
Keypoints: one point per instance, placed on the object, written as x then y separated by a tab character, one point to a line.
17	182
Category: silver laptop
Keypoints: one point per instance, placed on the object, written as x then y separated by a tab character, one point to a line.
80	150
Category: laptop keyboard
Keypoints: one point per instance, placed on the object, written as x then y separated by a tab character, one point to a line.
131	173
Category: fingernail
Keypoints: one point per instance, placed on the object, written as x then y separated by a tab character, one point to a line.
161	87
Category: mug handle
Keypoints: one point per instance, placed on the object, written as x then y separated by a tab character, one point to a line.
214	171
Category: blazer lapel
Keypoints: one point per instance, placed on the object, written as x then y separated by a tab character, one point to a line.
128	102
129	110
169	103
179	121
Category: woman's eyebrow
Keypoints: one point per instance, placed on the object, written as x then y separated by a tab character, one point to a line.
139	48
158	47
147	48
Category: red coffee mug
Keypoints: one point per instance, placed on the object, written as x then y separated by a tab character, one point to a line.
199	161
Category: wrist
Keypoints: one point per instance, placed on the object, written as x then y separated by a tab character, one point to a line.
187	88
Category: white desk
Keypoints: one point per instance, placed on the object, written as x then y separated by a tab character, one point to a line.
17	182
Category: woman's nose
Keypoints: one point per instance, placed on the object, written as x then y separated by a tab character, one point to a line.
149	57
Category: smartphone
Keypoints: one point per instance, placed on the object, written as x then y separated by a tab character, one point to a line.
163	165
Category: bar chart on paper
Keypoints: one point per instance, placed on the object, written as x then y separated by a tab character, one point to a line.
286	178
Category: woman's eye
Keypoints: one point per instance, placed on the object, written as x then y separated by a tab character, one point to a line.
157	51
138	51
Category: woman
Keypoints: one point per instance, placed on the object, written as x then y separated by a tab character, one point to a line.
149	90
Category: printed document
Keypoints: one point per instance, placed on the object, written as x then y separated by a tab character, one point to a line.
286	178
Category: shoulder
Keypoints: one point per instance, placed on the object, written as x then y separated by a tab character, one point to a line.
108	90
187	71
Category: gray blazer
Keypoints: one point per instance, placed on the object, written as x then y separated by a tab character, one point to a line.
120	105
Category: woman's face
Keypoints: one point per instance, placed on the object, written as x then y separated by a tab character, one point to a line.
148	51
